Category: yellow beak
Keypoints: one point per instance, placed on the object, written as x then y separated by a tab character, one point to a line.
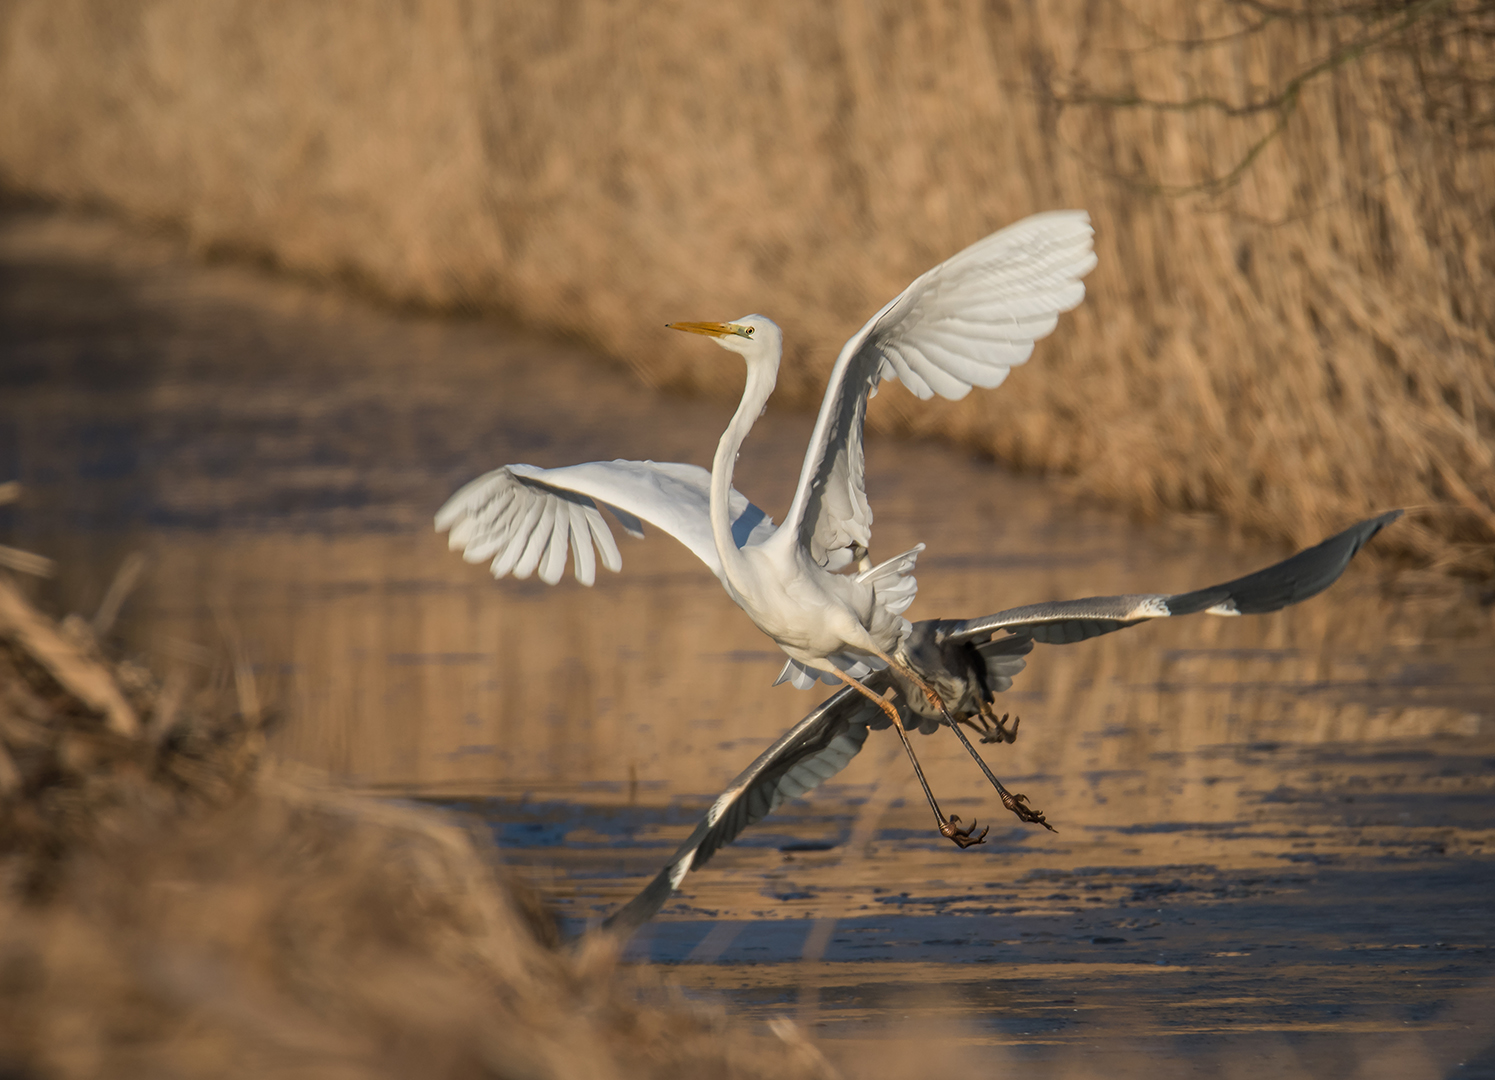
711	329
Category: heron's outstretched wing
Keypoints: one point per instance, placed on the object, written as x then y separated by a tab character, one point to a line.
963	324
824	742
526	518
809	753
1306	574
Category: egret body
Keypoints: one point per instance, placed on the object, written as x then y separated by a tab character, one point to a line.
965	323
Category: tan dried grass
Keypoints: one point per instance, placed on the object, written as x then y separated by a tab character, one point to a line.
1293	350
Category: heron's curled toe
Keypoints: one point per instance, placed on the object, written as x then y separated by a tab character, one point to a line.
962	838
1018	804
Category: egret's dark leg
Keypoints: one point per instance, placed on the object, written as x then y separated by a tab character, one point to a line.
1018	804
949	827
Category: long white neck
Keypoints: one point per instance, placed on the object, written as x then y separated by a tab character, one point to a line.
762	373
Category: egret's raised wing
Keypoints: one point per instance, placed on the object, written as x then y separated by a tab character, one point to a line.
965	323
1061	622
526	518
804	757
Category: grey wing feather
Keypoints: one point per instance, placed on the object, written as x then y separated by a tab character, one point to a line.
965	323
1004	659
804	757
1295	579
1306	574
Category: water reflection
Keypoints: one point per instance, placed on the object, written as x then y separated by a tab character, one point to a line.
1261	806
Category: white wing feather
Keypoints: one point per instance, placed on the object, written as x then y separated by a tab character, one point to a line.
528	519
965	323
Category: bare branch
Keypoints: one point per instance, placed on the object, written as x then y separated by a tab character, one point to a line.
1391	26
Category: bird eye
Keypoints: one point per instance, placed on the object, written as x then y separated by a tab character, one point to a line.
750	330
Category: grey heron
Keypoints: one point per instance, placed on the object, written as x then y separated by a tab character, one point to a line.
965	323
969	661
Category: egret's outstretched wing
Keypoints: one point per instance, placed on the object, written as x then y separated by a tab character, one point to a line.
526	518
965	323
809	753
1306	574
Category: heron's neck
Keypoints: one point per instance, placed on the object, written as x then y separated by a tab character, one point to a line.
760	381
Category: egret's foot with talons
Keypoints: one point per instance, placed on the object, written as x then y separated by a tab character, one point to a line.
1018	804
962	838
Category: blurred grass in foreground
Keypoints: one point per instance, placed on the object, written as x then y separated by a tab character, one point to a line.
172	905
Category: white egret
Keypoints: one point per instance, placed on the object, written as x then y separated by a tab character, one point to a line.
969	662
965	323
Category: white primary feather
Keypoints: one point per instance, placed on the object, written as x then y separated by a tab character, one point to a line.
527	518
965	323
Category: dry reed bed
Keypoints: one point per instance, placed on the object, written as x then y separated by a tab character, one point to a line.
170	906
1303	345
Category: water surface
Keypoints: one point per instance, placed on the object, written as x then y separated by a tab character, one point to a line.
1276	834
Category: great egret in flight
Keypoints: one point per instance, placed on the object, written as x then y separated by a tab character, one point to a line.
965	323
970	662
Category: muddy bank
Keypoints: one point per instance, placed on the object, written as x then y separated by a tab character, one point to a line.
1293	215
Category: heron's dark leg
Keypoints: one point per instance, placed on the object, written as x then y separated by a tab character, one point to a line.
949	827
1018	804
